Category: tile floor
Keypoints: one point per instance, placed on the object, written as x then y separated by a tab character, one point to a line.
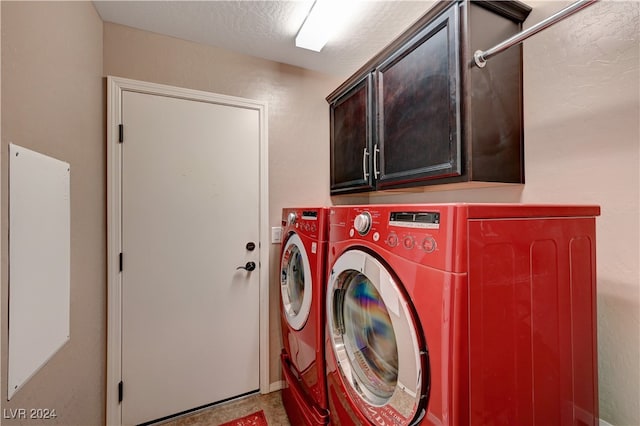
270	403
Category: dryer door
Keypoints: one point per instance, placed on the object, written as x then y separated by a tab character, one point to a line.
375	341
295	282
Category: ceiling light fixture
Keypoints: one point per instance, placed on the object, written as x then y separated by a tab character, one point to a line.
325	18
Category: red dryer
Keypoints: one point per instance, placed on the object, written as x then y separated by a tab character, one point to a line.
462	314
302	279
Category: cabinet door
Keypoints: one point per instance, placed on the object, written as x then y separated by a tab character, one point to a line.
418	107
351	132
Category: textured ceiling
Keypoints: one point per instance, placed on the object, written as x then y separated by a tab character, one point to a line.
267	29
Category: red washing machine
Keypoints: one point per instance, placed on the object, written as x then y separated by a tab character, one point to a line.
302	280
462	314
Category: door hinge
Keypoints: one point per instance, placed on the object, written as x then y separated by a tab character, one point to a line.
120	261
120	133
120	391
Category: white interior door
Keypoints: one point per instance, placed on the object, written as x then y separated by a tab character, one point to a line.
190	205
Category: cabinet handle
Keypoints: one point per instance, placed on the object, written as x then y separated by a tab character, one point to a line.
376	172
365	154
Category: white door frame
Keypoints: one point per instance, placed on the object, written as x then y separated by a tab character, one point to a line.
115	87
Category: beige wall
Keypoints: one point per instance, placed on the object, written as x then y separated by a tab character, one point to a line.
298	118
53	102
582	139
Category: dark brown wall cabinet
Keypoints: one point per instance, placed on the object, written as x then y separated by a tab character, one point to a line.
420	112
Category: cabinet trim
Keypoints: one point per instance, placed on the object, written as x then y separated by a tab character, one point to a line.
513	10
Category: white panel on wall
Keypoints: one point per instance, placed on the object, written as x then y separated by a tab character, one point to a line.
39	262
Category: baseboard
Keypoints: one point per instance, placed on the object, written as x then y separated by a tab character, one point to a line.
603	423
276	386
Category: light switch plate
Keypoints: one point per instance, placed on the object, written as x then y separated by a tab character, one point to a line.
276	235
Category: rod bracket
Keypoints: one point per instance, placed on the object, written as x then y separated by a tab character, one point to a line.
478	57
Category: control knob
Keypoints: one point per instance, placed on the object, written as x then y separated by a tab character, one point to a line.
362	223
408	242
429	244
291	218
392	239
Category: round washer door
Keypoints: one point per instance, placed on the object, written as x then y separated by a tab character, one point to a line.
295	282
375	341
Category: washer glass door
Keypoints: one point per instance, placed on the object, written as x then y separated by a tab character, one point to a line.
374	339
295	282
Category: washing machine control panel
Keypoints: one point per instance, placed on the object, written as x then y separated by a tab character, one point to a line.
426	234
414	228
409	232
308	222
305	223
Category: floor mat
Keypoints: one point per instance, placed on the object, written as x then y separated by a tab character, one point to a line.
254	419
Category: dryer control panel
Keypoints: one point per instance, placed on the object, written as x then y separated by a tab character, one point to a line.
309	222
421	233
417	221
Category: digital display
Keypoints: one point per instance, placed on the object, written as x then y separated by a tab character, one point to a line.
309	215
415	219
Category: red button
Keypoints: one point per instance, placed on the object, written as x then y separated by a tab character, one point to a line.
429	244
408	242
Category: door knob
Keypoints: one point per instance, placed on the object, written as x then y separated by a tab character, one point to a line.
249	266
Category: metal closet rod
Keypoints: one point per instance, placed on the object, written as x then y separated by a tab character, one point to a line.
480	57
